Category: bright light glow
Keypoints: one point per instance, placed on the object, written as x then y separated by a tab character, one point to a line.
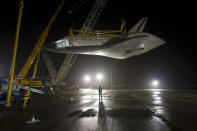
157	102
87	78
155	83
157	98
156	92
86	97
99	76
99	53
85	101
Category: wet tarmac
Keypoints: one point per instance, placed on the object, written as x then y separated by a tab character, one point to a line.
120	110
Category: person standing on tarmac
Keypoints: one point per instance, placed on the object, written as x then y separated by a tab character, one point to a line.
25	97
100	93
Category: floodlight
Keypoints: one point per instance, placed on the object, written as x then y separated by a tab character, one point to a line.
87	78
155	83
99	76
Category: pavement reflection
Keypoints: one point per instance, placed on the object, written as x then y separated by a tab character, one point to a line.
138	110
157	102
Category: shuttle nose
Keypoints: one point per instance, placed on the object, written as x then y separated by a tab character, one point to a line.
62	43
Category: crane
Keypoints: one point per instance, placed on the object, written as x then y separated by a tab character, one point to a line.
14	52
87	26
21	78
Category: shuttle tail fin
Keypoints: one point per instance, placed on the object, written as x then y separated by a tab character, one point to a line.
139	27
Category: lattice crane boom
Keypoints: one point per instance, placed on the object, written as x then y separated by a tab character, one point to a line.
88	26
49	64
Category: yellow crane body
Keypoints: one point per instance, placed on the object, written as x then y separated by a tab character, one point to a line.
14	53
39	44
21	76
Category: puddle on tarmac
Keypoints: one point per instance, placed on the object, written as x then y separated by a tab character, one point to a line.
89	113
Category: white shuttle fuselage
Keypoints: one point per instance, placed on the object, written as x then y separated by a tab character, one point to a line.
136	43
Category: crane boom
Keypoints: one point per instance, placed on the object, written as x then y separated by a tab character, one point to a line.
87	26
94	15
39	44
49	64
14	52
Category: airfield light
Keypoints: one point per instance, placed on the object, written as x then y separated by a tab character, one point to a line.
99	76
155	83
87	78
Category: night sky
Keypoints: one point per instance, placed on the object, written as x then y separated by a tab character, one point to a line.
173	63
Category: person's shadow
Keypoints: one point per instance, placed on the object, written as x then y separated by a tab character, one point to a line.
102	117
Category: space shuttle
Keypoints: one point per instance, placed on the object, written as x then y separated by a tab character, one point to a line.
134	43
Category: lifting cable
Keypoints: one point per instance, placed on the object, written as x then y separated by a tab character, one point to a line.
76	6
